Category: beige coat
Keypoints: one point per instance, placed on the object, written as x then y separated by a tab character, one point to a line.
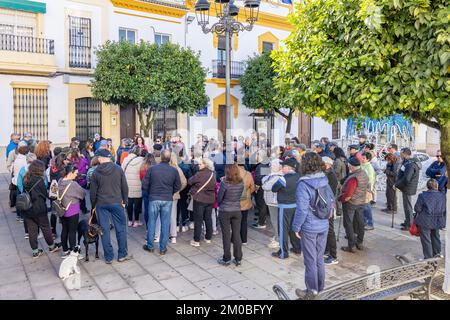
132	167
183	181
249	187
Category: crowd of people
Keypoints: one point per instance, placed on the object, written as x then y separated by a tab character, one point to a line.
211	187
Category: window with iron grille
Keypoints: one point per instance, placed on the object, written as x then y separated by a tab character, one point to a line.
31	112
80	42
165	123
267	47
88	118
336	130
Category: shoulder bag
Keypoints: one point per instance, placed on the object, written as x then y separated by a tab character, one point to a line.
191	198
58	206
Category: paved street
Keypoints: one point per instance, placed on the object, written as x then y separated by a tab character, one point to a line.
185	272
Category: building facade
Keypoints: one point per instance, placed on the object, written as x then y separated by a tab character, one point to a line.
47	58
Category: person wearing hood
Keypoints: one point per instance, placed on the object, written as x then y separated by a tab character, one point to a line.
109	195
310	229
285	188
407	182
437	170
262	169
131	167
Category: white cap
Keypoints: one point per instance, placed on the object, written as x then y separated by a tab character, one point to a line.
327	160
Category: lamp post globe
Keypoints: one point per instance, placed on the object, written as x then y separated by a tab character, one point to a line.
233	10
202	11
251	8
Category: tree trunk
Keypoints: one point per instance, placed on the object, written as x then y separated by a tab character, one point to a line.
289	121
445	150
146	118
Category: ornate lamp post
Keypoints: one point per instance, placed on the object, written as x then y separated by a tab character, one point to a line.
227	14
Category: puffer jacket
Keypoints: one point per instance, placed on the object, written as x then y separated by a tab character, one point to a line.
267	183
340	167
304	218
430	208
249	186
38	197
229	196
183	182
132	168
408	176
19	163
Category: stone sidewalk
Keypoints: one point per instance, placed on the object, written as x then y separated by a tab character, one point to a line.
184	272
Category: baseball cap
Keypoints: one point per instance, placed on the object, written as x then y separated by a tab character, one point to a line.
354	162
23	144
353	146
333	144
291	162
327	160
103	153
319	145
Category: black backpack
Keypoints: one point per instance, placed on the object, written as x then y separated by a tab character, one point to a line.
23	201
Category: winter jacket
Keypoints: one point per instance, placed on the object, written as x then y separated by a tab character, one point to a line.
262	169
197	181
430	208
88	155
270	198
304	218
108	185
286	187
370	171
38	197
121	150
408	176
89	175
332	180
219	164
10	161
391	172
21	161
131	166
355	187
340	168
11	147
72	198
249	186
229	196
161	182
183	184
82	165
437	171
187	169
20	177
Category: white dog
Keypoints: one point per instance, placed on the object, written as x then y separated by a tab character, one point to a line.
69	271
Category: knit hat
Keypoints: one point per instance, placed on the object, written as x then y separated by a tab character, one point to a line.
291	162
327	160
353	161
103	153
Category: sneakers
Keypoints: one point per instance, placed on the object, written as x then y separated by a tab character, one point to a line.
65	254
369	228
173	240
207	241
244	243
56	247
191	225
223	262
330	261
258	226
40	235
146	248
137	224
305	294
195	243
386	210
348	249
163	252
274	244
127	258
130	223
21	220
17	218
215	232
359	247
37	253
27	236
237	262
297	253
108	262
279	255
184	228
156	239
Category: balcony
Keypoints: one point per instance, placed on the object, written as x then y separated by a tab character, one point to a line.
237	69
27	55
80	57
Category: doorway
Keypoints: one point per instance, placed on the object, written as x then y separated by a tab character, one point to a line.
127	122
304	129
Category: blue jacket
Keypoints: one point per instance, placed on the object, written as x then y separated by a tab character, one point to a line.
430	208
438	169
304	219
11	147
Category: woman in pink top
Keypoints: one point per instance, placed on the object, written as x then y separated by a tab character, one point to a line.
139	141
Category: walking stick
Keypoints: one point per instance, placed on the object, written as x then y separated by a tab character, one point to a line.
392	224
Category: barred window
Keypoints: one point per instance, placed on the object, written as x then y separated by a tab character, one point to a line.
80	42
88	118
31	112
336	130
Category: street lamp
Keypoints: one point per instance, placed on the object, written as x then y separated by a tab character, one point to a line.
227	13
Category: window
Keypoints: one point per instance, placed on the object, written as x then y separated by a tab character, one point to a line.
127	35
165	123
19	23
267	46
88	118
31	112
336	130
80	42
162	38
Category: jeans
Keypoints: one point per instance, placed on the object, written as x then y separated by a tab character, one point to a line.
134	206
353	223
116	213
69	232
368	218
273	211
146	207
286	233
173	220
261	206
202	212
230	224
163	210
36	223
407	207
431	242
331	240
244	228
313	245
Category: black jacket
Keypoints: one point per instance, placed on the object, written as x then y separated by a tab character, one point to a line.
391	172
408	176
332	180
108	185
286	188
430	210
161	182
38	197
229	196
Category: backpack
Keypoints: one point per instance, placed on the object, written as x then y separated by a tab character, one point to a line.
58	206
324	203
24	201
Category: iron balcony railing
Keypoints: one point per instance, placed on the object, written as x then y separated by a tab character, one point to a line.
79	57
237	69
12	42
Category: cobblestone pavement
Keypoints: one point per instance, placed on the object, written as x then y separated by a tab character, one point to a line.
185	272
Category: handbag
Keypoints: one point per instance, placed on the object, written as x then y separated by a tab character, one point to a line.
24	201
191	198
414	229
58	206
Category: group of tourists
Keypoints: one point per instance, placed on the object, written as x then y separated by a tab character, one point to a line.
211	187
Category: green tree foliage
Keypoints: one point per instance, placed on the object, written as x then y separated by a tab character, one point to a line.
352	58
258	89
149	77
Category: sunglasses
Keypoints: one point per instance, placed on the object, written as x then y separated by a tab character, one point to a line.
438	156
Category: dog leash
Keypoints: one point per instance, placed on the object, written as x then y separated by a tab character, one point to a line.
90	222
